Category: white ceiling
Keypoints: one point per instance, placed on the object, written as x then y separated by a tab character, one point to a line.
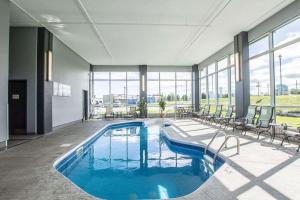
155	32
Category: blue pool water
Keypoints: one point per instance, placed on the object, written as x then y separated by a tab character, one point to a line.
131	161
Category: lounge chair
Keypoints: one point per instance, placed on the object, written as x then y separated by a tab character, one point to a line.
205	112
109	114
263	123
249	118
215	115
227	118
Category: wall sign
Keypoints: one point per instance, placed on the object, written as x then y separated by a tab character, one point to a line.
61	90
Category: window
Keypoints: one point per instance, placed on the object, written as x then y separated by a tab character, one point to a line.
223	87
212	97
119	90
287	33
118	95
203	91
232	85
260	80
101	97
173	87
222	64
231	58
211	68
287	80
167	92
118	75
101	75
259	46
153	92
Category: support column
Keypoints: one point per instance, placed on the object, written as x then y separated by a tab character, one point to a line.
195	87
143	83
4	52
242	88
44	81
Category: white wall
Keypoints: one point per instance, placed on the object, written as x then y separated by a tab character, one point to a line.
70	69
4	51
23	66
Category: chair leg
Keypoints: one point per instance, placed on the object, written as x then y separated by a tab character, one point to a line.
298	148
284	138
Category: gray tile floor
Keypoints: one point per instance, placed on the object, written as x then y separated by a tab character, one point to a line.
262	170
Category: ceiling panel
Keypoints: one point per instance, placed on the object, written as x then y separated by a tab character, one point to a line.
156	32
82	39
188	12
53	11
144	43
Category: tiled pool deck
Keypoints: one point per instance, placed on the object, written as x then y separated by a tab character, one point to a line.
262	170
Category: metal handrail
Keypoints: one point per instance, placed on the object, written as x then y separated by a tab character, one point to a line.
213	138
225	143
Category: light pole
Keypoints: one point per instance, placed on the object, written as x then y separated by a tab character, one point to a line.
258	87
280	75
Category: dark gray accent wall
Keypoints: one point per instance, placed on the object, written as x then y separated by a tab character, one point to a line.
44	87
23	66
143	73
196	97
68	68
4	52
242	86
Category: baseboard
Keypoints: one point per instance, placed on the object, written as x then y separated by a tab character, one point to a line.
66	125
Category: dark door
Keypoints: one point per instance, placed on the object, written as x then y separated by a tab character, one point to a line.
17	106
85	105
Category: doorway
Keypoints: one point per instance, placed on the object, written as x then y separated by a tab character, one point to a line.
85	105
17	107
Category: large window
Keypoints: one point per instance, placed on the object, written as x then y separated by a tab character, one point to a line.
173	87
218	91
259	46
118	90
287	80
276	82
287	33
260	80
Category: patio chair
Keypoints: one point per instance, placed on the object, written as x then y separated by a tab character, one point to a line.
178	112
205	112
215	115
227	118
249	118
132	113
184	112
263	123
291	134
109	114
190	111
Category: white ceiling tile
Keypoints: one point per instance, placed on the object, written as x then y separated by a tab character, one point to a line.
53	11
82	39
150	12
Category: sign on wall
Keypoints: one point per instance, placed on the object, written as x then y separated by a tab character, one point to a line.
61	90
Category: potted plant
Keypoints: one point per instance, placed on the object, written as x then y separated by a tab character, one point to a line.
162	106
142	108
